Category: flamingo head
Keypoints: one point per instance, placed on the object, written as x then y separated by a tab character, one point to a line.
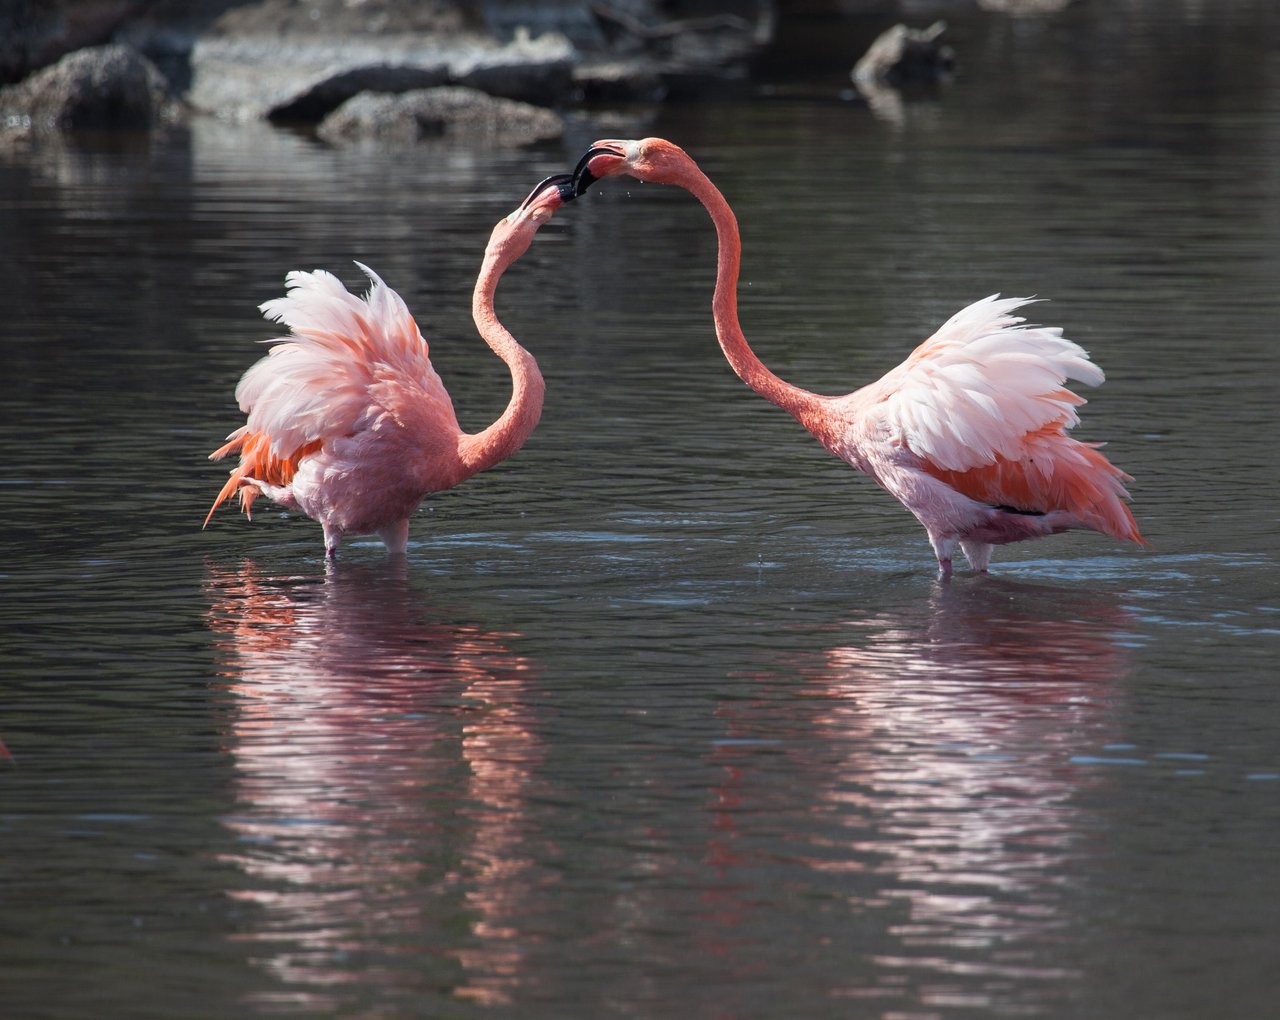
646	159
513	233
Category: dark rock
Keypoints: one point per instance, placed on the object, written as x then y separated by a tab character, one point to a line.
284	60
298	60
452	111
103	86
313	104
251	76
541	82
35	33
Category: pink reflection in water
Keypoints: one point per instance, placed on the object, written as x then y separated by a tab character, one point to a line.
939	786
383	757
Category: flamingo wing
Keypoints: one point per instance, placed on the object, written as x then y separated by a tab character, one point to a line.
984	407
349	365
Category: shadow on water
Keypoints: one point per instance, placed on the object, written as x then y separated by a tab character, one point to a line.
383	750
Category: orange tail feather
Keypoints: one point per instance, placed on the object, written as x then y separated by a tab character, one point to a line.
1080	480
256	461
237	475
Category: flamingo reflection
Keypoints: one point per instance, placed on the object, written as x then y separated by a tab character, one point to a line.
943	798
380	749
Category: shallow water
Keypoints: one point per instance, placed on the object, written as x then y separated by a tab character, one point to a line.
667	716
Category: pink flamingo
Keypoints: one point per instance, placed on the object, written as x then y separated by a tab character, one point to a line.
347	420
969	433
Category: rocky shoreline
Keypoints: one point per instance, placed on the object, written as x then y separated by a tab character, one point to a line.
392	71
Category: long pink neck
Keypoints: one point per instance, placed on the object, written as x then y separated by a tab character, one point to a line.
506	435
800	404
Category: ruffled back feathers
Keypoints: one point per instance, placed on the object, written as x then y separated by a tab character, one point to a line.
983	402
330	374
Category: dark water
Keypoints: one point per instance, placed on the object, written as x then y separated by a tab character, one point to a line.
667	716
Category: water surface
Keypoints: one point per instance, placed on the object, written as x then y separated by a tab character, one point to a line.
667	716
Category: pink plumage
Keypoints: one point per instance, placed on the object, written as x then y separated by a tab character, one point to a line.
969	433
347	420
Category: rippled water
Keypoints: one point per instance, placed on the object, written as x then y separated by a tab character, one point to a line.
667	716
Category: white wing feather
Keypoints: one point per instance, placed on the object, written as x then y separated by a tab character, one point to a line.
980	384
328	378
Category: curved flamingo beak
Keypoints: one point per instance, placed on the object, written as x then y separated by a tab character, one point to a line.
555	191
603	159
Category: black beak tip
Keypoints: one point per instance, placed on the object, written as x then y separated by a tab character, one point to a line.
584	178
564	185
566	188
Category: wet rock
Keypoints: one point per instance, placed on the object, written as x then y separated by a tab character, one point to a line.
99	87
904	54
451	111
329	91
243	77
542	82
35	33
298	60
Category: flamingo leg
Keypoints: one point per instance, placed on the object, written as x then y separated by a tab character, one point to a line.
332	539
943	549
978	554
396	537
